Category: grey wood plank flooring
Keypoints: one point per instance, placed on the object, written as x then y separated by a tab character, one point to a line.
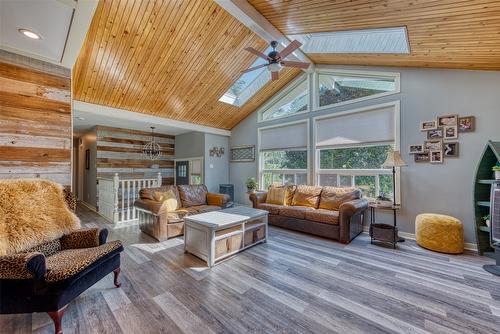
295	283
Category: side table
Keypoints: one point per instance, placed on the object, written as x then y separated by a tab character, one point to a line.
384	232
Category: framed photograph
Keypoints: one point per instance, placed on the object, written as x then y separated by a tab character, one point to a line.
428	125
450	149
422	157
448	120
414	149
450	132
436	157
466	124
87	159
433	145
435	134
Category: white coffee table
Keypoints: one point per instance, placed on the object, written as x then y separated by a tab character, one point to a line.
213	236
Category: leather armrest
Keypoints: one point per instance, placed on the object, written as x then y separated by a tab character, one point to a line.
84	238
258	197
350	208
154	207
217	199
22	266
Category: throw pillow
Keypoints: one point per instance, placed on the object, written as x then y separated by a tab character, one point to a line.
332	197
168	198
276	195
306	196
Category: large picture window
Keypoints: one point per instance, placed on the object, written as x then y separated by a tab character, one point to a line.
340	88
293	101
351	148
283	154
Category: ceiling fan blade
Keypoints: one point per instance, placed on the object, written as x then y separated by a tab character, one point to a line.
257	53
275	75
254	68
297	64
294	45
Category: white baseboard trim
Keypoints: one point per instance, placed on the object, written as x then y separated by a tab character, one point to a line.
411	236
89	206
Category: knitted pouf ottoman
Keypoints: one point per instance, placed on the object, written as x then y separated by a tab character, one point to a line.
439	233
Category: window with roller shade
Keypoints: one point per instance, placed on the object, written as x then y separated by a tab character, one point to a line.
293	100
351	147
283	154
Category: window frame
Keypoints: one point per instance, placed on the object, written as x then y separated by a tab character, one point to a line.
260	162
354	73
359	172
287	89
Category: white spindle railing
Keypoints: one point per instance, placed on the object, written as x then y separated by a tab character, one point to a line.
117	197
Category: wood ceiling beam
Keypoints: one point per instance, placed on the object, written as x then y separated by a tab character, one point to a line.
255	21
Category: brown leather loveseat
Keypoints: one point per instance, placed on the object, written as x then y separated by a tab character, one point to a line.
331	212
161	210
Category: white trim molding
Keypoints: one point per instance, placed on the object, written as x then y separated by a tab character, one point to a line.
131	116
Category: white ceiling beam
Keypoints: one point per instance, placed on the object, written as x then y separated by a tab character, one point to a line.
255	21
131	117
82	18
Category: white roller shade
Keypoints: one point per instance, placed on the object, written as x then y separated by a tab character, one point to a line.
372	126
293	136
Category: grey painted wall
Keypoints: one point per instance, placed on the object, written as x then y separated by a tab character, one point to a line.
189	145
89	175
216	168
425	94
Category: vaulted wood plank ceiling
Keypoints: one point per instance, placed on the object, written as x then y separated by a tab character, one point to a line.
442	33
171	58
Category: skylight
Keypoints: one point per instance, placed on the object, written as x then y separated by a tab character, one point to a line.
247	84
388	40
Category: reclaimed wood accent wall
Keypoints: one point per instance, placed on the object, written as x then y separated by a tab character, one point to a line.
35	119
120	151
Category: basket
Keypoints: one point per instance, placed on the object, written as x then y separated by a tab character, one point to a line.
383	232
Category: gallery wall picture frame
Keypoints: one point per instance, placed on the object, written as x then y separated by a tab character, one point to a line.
243	153
450	132
415	149
447	120
466	124
435	134
451	149
436	157
428	125
433	145
422	157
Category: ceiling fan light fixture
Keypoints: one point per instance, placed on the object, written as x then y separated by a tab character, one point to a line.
274	67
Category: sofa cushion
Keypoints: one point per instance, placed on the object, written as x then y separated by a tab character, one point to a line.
192	195
70	262
295	211
323	216
149	193
273	209
306	196
205	208
169	198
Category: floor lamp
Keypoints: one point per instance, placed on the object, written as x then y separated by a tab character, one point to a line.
393	160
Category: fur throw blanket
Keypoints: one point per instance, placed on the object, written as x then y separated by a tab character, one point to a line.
32	212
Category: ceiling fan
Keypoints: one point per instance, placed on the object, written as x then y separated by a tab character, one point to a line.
276	59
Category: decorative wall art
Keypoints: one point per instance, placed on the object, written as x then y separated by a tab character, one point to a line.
243	153
216	151
439	132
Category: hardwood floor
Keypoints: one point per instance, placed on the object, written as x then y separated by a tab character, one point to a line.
295	283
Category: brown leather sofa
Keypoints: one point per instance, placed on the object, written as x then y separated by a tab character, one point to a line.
161	210
335	213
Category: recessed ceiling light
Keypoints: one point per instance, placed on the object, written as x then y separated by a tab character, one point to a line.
30	34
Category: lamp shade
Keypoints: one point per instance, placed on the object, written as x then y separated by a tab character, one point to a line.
393	160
